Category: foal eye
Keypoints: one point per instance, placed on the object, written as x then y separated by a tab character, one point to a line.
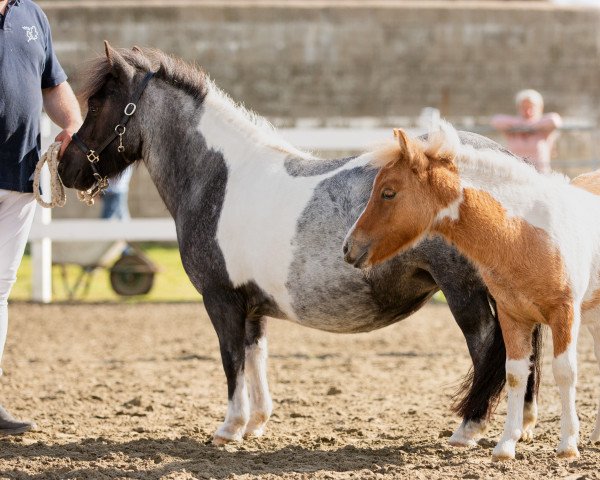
93	109
388	194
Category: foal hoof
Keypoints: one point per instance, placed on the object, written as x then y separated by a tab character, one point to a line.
462	442
503	452
568	453
527	436
220	441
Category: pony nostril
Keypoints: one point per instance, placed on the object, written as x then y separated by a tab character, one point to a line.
345	248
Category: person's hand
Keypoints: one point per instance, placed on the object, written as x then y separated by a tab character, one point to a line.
65	137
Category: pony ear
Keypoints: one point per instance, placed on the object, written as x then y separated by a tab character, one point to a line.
409	151
136	49
120	68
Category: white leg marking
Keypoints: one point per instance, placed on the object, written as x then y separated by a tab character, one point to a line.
595	331
238	412
564	367
468	433
261	404
517	372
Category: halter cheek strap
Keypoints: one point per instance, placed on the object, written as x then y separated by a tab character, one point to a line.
93	156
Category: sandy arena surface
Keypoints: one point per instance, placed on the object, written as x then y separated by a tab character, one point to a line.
137	391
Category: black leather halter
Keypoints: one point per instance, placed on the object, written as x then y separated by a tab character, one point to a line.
93	156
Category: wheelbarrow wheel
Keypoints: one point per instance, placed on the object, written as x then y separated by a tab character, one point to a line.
131	275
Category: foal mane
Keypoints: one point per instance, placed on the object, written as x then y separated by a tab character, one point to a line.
188	78
484	164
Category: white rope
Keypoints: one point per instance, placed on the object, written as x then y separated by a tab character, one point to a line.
57	189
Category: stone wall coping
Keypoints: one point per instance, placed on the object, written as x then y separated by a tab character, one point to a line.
489	5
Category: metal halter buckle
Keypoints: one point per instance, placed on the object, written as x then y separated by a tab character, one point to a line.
92	157
130	109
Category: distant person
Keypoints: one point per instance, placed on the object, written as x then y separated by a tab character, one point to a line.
530	134
114	199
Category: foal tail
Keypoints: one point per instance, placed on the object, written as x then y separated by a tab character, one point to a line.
484	385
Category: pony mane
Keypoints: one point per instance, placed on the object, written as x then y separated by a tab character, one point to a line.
192	80
494	165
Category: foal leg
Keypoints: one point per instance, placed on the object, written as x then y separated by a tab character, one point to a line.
594	329
517	337
228	318
565	327
261	405
530	409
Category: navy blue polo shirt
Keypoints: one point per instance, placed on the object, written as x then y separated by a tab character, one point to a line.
27	65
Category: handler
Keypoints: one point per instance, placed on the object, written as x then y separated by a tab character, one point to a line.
30	76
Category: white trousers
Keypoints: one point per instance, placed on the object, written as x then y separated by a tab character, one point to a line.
16	216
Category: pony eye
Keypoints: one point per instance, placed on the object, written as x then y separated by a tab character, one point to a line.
93	109
388	194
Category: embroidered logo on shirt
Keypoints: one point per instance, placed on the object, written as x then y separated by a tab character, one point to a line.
32	33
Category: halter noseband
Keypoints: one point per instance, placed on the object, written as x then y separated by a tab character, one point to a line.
93	156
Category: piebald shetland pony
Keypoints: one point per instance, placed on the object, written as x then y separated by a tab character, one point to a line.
260	225
535	240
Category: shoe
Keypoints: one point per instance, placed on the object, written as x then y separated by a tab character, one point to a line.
11	426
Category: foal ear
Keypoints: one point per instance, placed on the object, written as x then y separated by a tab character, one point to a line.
120	67
409	151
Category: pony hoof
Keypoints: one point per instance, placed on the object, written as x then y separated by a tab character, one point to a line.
569	453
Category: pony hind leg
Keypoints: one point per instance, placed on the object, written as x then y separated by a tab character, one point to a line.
468	301
228	320
518	340
256	352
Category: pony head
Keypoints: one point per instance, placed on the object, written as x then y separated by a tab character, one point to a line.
111	83
417	181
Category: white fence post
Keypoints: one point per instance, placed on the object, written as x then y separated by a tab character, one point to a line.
41	248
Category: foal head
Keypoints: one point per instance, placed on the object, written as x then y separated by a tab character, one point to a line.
111	84
417	181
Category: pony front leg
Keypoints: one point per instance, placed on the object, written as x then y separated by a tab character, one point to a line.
517	337
564	366
229	322
261	404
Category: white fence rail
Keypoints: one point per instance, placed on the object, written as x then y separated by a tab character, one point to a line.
45	230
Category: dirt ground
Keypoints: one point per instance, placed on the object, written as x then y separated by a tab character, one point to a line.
137	391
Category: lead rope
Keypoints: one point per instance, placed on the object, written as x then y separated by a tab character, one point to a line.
57	190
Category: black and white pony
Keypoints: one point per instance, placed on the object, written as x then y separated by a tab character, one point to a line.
260	227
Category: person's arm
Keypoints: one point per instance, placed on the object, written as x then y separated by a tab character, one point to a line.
62	107
549	122
504	123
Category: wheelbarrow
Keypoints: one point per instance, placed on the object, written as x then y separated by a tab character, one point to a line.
131	271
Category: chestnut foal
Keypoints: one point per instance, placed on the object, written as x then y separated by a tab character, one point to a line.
534	238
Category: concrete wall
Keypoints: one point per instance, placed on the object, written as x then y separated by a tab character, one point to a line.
353	58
